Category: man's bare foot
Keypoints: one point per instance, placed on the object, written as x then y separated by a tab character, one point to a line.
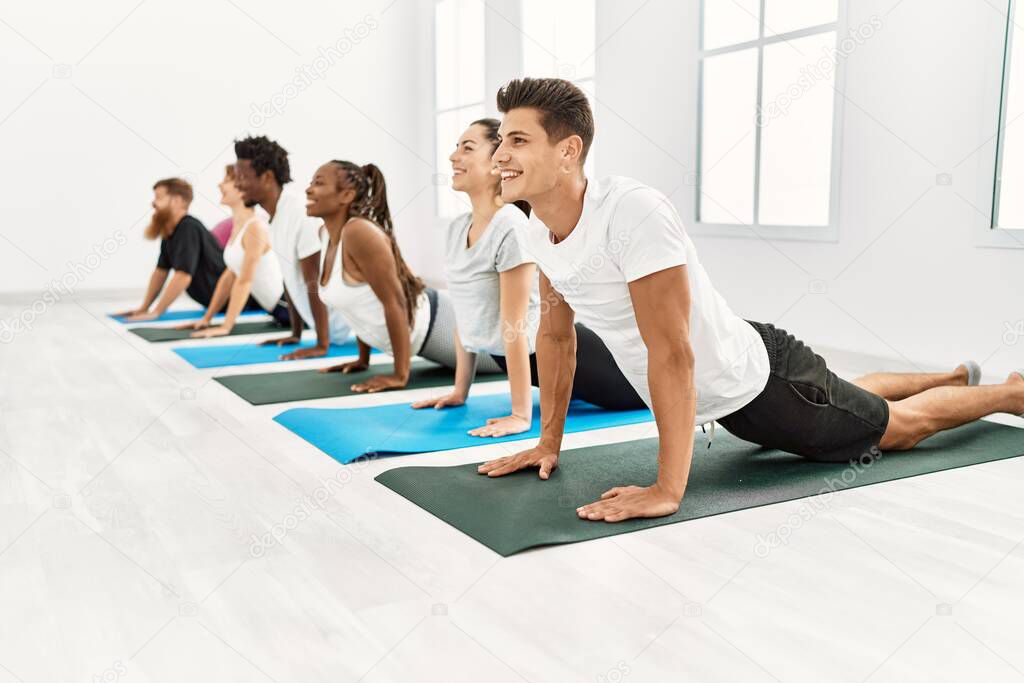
1016	379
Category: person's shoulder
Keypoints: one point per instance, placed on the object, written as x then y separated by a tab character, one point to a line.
614	191
510	218
190	222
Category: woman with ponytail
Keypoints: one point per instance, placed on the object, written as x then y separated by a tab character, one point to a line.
364	277
493	284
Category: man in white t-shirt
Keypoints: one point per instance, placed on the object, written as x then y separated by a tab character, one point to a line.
616	254
261	172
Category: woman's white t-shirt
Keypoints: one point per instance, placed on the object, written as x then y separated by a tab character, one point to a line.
474	279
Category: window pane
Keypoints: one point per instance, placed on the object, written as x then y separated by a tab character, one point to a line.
559	38
783	16
1011	182
459	52
796	133
450	126
728	22
728	120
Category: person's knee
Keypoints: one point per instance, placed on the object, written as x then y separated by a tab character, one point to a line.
906	428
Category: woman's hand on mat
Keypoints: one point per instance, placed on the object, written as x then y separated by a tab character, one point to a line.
194	325
380	383
543	459
219	331
452	399
351	366
502	426
280	342
309	352
628	502
130	312
142	315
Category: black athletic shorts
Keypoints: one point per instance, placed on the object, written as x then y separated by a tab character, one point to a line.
806	409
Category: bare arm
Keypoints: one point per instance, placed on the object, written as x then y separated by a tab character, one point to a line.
310	274
371	252
156	283
178	284
556	367
465	371
661	302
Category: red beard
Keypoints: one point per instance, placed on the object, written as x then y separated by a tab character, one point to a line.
160	226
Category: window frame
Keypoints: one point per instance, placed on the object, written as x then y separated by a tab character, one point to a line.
757	230
438	112
990	234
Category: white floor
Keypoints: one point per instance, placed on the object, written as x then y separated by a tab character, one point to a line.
131	487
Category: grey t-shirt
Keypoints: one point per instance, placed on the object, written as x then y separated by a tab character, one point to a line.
473	279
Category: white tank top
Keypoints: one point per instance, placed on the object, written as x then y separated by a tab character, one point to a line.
361	307
267	284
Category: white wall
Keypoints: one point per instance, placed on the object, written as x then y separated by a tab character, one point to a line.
159	89
915	286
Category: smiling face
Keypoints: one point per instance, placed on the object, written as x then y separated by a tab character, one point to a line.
251	186
471	161
329	192
230	195
530	163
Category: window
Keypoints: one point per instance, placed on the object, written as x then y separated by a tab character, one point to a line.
766	146
459	86
559	41
1008	200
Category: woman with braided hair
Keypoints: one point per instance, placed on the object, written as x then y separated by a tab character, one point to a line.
364	277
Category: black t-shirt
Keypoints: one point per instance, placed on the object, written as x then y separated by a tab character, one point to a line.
193	249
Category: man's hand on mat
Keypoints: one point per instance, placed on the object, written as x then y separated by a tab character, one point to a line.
544	460
448	401
194	325
351	366
380	383
143	315
310	352
502	426
627	502
280	342
219	331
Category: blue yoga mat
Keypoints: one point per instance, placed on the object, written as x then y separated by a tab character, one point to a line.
189	314
252	354
345	434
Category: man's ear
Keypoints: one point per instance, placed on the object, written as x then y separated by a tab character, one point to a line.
267	177
572	150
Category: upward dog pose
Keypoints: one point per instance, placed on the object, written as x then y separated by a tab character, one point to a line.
364	277
251	268
493	285
615	253
261	172
186	247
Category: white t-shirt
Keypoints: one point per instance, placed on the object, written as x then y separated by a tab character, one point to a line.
293	237
474	280
627	231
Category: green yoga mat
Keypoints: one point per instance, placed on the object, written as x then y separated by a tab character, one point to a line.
304	385
513	513
166	334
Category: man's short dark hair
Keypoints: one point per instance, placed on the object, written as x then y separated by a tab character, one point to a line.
564	109
265	155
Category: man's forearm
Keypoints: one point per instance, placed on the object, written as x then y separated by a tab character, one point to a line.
156	283
674	399
556	368
320	318
178	284
293	315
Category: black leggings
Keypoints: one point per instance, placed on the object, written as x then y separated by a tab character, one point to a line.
598	379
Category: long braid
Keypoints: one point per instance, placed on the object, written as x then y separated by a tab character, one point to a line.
371	203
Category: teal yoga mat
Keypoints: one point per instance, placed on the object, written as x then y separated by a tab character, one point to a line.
225	355
513	513
305	385
166	334
182	315
346	434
